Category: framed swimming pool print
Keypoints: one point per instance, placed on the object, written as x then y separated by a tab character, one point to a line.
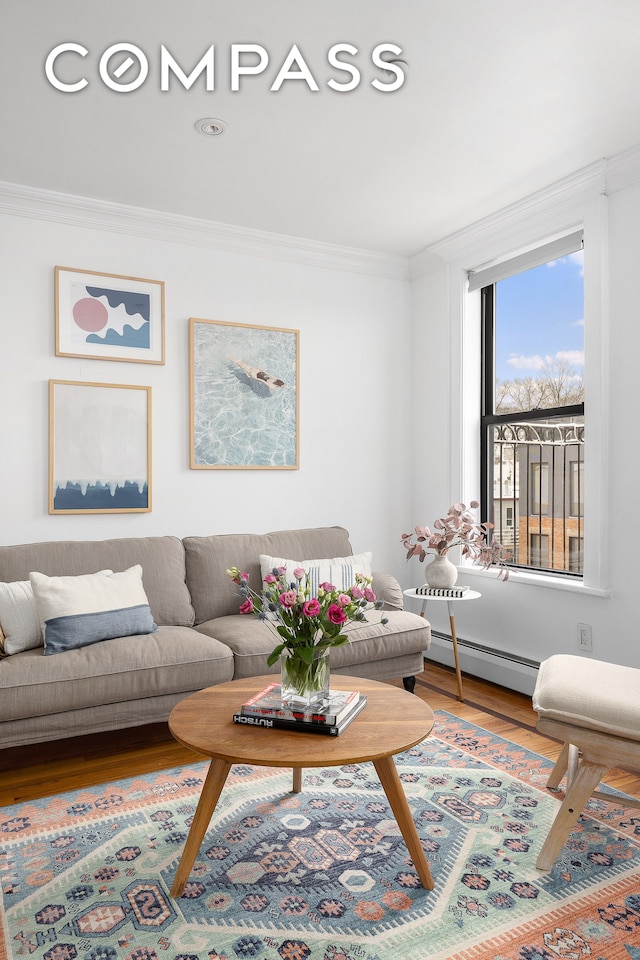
244	396
104	316
99	448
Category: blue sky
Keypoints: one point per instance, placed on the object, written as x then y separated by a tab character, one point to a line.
540	314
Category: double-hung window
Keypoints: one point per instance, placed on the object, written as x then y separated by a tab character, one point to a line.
532	419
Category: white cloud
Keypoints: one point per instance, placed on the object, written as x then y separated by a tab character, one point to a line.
536	362
520	362
577	259
574	357
578	323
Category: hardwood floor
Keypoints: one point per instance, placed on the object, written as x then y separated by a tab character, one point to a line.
40	770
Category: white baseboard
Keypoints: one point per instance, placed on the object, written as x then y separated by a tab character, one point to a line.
492	665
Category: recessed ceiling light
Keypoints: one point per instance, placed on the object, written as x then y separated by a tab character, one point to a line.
210	127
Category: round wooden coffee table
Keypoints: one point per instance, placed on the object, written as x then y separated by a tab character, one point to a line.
392	721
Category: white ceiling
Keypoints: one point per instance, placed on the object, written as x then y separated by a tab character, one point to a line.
502	98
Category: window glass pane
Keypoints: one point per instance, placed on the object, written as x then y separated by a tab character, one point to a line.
536	474
539	337
533	406
539	550
576	554
576	508
539	487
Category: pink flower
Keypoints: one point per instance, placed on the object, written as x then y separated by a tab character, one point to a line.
270	578
299	573
311	608
357	593
327	587
369	595
247	606
344	600
336	614
237	576
288	598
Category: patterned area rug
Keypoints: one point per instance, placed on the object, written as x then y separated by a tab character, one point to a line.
325	874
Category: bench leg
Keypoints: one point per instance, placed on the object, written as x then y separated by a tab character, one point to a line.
567	763
560	767
584	783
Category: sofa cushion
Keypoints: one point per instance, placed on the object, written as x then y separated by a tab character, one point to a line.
20	627
339	571
161	558
208	558
252	640
79	611
172	660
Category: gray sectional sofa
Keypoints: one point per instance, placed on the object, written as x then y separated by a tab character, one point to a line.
201	638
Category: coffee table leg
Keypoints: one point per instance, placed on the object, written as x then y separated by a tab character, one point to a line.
297	780
386	770
215	780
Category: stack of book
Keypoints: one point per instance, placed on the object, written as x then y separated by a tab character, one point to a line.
452	592
329	716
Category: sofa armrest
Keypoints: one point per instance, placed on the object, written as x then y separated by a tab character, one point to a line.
387	589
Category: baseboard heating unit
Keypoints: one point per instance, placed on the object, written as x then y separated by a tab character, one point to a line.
489	663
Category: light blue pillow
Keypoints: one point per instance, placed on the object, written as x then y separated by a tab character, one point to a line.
78	611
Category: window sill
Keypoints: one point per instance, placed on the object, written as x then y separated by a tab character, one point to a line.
550	581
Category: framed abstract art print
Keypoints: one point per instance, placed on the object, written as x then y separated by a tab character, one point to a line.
99	448
103	316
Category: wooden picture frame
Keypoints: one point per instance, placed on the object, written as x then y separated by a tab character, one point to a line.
244	396
99	448
105	316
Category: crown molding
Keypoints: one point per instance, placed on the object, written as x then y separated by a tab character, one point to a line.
623	170
35	203
558	207
533	218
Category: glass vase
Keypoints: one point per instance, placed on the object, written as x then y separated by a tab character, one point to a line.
302	683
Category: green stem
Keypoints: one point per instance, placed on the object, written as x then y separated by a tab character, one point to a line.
305	678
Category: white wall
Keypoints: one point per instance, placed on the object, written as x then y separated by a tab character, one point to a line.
354	401
524	618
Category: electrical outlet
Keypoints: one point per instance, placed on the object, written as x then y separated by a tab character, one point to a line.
585	637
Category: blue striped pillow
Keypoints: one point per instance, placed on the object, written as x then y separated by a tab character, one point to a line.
78	611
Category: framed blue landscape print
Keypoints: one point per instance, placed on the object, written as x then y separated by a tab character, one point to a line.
103	316
99	448
243	396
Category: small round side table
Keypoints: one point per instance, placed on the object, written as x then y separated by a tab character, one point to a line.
468	595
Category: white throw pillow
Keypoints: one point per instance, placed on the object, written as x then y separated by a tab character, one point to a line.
78	611
19	621
339	571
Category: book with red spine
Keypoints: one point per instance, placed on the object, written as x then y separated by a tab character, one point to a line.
300	726
330	710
